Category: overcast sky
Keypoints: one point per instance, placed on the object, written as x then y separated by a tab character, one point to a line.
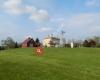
38	18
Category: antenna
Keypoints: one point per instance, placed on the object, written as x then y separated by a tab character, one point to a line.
63	32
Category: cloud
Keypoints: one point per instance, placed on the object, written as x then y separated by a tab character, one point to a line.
9	30
44	29
40	16
13	6
93	3
16	7
81	20
86	24
30	9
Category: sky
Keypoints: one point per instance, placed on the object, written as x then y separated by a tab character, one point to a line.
38	18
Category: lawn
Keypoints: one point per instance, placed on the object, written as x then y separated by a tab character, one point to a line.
55	64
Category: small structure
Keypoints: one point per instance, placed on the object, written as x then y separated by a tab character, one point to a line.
51	41
72	45
29	42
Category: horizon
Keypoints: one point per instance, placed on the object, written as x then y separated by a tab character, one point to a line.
39	18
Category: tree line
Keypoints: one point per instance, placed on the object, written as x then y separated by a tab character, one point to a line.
9	43
94	42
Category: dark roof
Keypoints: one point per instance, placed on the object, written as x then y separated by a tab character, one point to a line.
52	38
28	40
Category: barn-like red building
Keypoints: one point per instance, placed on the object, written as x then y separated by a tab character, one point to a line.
29	42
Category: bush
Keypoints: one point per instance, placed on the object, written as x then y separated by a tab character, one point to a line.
98	45
92	43
67	45
86	43
2	48
89	43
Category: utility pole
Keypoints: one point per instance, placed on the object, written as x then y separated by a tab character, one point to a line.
63	32
62	39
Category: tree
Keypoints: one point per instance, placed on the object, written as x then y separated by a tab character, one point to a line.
8	43
16	45
96	39
89	43
86	43
92	43
2	48
37	42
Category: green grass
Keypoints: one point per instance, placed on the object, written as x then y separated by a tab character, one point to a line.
55	64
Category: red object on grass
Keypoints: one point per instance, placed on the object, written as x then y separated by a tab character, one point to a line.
39	51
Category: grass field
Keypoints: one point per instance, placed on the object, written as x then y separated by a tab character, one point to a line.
55	64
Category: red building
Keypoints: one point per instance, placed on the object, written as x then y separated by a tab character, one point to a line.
29	42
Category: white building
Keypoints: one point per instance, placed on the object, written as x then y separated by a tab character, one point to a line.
51	41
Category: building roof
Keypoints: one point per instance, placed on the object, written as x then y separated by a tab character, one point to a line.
28	40
51	37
